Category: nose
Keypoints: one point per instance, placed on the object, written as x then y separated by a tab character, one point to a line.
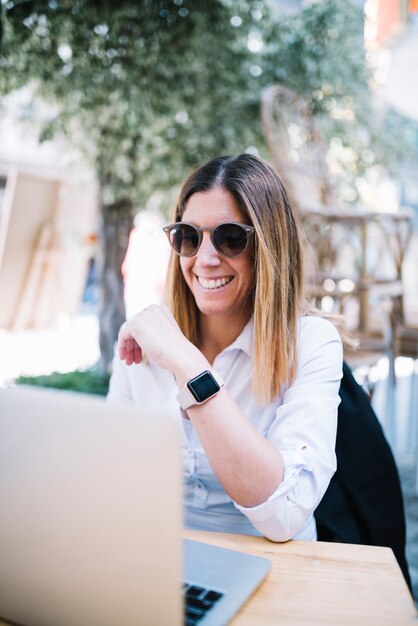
207	255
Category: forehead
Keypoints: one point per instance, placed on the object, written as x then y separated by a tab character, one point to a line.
212	207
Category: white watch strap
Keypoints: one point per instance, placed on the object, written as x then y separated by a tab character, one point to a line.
185	397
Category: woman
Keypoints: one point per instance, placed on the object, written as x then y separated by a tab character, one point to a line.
252	378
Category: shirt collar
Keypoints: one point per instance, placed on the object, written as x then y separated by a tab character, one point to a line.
244	341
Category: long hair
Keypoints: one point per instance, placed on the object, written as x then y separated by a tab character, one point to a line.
278	299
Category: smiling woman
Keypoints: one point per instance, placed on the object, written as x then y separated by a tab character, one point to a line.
220	283
252	378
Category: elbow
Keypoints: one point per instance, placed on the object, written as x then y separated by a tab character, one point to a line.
279	535
289	514
286	524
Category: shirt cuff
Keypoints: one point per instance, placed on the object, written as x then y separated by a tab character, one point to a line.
284	514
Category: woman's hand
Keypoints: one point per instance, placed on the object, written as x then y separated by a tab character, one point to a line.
154	332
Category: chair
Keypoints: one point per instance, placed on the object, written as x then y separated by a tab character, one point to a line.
363	503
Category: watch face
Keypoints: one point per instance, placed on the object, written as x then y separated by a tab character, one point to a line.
203	386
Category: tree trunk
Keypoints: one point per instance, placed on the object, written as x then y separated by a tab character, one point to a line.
116	222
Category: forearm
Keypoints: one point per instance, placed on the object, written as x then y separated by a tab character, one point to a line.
248	466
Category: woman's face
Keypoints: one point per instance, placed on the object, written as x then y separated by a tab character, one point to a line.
232	298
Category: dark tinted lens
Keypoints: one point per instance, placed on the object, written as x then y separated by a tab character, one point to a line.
230	239
184	239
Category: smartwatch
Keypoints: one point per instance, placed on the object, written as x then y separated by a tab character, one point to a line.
200	388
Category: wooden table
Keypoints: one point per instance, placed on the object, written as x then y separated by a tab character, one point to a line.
317	583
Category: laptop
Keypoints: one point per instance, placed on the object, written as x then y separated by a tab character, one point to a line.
91	520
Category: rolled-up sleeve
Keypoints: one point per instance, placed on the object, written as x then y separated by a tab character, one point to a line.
304	431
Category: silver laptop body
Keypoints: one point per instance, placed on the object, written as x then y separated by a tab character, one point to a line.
90	519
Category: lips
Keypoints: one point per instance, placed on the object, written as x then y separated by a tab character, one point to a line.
214	283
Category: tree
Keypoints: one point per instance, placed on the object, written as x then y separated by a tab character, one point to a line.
145	88
319	53
148	88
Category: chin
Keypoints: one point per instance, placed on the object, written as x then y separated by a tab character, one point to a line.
212	308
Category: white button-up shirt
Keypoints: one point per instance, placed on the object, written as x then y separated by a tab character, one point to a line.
301	422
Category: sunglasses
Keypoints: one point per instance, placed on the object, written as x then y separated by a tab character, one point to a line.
229	239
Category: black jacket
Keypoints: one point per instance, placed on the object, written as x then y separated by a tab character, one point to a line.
363	503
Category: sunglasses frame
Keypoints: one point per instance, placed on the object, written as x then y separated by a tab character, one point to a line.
249	230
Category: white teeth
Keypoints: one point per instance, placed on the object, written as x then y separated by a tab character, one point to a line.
214	284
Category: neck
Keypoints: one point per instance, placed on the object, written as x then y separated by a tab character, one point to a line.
217	333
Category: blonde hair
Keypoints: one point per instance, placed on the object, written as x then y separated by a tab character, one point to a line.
278	298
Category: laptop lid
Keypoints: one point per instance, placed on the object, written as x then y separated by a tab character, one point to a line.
90	512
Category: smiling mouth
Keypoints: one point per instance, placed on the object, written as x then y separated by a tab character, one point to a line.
214	283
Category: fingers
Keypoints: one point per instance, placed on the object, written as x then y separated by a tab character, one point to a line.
130	355
137	354
128	348
150	332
